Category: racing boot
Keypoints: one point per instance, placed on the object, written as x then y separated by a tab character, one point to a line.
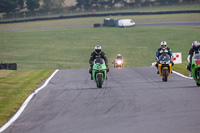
190	74
188	67
91	77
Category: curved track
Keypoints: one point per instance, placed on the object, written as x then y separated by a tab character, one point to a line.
131	100
88	26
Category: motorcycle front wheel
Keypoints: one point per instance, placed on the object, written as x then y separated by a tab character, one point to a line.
198	84
165	74
99	78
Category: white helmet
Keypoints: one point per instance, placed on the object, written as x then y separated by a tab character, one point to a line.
97	49
163	43
118	54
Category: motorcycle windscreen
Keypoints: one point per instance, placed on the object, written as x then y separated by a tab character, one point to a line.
164	57
99	60
197	56
119	61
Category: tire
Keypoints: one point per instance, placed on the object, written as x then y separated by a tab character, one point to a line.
165	74
99	79
97	25
198	84
198	74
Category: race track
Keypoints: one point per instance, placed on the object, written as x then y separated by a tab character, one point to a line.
132	100
89	26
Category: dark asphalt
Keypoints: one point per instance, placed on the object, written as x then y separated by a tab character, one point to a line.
88	26
132	100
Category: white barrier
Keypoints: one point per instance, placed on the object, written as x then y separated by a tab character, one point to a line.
177	58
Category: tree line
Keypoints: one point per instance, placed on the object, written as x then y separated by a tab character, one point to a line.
13	6
88	4
8	6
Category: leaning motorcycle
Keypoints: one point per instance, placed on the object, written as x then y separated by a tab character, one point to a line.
118	63
165	66
195	68
99	72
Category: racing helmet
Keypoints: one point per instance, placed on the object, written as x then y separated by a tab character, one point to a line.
97	49
195	45
163	44
119	55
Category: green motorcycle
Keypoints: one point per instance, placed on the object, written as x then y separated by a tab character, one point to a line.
195	68
99	72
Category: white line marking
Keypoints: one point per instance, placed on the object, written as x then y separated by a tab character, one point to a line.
182	75
19	112
179	74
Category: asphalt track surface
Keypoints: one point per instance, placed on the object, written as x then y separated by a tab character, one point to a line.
88	26
132	100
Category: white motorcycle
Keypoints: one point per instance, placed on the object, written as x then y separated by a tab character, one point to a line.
118	63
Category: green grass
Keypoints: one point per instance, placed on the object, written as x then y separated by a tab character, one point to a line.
15	86
71	48
181	68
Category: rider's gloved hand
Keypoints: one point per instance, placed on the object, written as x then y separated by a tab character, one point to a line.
157	59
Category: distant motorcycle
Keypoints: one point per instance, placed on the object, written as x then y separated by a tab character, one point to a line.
164	66
118	63
99	72
195	68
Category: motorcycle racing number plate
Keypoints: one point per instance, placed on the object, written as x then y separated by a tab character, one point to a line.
198	62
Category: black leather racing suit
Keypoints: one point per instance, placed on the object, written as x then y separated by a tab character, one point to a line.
94	56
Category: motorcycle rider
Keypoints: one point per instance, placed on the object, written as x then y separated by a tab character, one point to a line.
97	53
163	49
119	56
194	50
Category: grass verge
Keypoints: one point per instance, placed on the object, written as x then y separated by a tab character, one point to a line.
15	87
181	68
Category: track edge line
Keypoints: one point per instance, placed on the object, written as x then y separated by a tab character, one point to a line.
179	74
19	112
